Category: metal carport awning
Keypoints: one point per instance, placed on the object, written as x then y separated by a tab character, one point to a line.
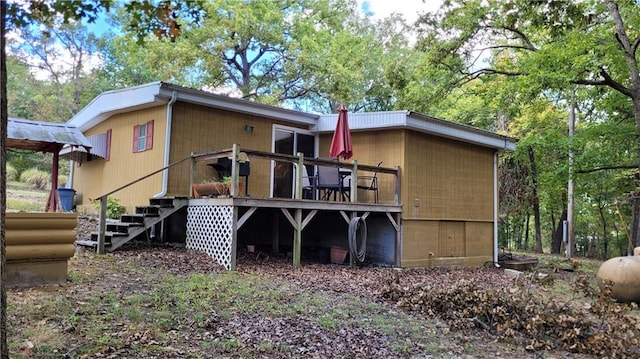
45	137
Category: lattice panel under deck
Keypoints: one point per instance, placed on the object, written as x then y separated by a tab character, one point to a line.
210	230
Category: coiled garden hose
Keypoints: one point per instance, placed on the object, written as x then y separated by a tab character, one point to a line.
357	228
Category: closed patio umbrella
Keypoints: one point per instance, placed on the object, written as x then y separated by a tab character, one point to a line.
341	141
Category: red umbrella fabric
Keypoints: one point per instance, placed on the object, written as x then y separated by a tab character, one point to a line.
341	141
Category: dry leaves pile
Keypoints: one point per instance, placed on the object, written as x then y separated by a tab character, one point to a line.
597	326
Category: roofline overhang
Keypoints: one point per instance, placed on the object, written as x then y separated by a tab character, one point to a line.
154	94
419	122
237	105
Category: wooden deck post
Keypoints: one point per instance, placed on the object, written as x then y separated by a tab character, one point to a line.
234	240
235	170
298	179
353	191
102	225
275	232
297	239
192	178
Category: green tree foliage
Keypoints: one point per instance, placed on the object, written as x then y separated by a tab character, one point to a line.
530	57
308	54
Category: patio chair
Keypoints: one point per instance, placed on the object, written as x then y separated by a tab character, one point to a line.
329	182
370	183
309	184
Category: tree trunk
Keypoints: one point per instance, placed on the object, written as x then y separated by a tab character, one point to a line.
4	348
635	225
605	239
536	200
629	49
526	232
556	238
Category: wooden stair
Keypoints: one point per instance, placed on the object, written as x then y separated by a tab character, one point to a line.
131	226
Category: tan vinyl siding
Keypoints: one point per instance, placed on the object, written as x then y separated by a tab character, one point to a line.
99	176
448	202
371	147
200	129
447	179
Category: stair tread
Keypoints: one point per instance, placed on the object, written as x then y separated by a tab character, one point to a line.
111	234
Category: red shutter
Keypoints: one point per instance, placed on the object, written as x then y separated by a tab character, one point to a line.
108	146
136	137
149	135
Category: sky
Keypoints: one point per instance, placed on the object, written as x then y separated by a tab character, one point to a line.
410	9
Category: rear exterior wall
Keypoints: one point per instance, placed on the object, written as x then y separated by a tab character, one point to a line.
448	202
201	129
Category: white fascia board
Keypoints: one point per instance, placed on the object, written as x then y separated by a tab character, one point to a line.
113	102
460	132
238	105
363	121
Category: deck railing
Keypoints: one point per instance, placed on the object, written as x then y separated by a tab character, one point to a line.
237	156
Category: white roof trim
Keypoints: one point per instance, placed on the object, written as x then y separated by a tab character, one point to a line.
153	94
362	121
238	105
113	102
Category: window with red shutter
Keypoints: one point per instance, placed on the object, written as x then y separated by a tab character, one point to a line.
143	137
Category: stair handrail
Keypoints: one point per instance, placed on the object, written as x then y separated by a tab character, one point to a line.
103	203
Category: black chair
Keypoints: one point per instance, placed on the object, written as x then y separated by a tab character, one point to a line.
309	185
329	182
370	183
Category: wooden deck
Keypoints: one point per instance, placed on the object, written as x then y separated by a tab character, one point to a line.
312	223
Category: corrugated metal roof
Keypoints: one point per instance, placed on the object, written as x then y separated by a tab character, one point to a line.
362	121
42	136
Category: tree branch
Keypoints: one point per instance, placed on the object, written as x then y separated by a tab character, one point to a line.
611	167
521	35
606	81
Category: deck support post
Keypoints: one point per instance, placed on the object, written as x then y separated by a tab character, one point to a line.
192	178
235	170
234	240
353	191
275	244
297	239
102	225
298	179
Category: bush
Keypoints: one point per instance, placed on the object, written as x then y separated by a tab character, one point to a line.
62	180
114	208
12	173
35	178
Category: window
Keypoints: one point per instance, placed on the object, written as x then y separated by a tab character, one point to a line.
143	137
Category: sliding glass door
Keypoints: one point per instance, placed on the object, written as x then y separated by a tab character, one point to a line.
290	141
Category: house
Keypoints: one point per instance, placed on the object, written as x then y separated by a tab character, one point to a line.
443	197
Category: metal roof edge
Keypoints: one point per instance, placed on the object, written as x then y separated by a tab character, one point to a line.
158	93
116	101
460	131
361	121
238	105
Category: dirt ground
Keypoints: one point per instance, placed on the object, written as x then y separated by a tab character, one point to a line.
74	312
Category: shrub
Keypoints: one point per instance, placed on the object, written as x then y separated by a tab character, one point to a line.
35	178
12	173
114	208
62	180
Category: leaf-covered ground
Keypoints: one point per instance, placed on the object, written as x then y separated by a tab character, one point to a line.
174	303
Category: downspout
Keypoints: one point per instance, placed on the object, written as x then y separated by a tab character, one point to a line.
167	146
495	208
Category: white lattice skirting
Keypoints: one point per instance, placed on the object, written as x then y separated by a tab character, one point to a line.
210	230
